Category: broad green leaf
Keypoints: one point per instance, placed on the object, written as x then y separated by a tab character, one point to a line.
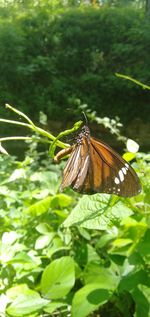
105	277
55	246
94	212
85	253
4	300
133	279
84	233
61	200
52	306
88	299
22	257
142	302
92	255
27	303
144	244
121	242
106	238
8	238
44	240
58	278
78	271
43	228
15	291
48	179
40	207
128	156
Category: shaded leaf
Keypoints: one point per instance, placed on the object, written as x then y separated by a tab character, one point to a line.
142	302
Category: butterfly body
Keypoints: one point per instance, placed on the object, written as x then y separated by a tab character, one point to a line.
94	167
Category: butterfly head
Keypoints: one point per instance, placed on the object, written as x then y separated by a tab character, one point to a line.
85	132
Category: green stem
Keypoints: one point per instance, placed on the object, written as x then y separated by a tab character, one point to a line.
15	122
61	135
20	113
15	138
34	128
133	80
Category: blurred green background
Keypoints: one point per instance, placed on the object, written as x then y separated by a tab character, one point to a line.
56	55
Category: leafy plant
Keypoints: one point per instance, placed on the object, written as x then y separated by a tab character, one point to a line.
65	254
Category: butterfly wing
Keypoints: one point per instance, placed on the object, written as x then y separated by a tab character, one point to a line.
94	167
77	165
108	172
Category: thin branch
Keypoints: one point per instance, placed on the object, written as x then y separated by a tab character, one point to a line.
133	80
15	138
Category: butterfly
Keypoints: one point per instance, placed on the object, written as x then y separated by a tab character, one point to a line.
94	167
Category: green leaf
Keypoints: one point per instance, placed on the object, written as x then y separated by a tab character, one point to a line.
44	240
95	212
105	239
142	301
40	207
128	156
144	244
26	303
15	291
51	307
18	173
4	300
133	279
61	200
43	228
88	299
48	179
105	277
121	242
58	278
84	233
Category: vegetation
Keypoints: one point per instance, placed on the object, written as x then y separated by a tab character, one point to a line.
64	254
54	56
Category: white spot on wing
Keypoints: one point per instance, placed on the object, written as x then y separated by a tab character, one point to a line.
124	170
117	181
121	176
126	166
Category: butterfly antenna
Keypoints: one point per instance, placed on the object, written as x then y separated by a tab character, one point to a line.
85	118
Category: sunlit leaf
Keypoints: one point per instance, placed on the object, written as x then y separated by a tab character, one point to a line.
94	212
53	306
58	278
18	173
88	299
128	156
105	277
27	303
43	241
40	207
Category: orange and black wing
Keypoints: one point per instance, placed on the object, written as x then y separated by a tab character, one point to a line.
108	172
94	167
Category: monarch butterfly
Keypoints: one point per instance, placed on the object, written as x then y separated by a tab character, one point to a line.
94	167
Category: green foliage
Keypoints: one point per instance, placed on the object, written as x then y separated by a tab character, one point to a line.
51	55
62	252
